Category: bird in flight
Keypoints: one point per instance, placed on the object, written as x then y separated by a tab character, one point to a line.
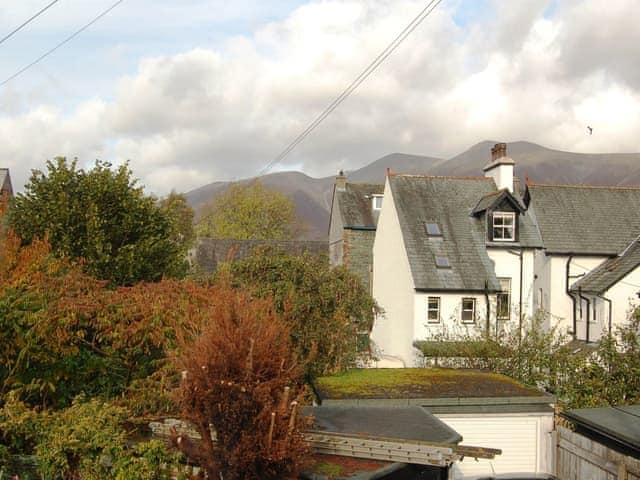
590	130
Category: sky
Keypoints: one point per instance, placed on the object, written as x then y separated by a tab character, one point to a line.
196	91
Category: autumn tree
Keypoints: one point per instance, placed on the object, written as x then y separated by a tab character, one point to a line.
329	310
241	384
249	211
102	217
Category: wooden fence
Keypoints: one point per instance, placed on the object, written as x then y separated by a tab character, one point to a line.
579	458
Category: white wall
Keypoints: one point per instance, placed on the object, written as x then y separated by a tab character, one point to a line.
450	322
336	233
624	299
507	265
393	287
525	439
551	273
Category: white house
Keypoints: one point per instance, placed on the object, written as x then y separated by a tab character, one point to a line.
585	229
451	254
459	255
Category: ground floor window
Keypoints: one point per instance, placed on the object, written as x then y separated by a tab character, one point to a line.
503	307
468	314
433	310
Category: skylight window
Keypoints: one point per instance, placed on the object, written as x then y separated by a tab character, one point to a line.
432	229
442	261
377	202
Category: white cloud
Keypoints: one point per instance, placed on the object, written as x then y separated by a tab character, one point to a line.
213	114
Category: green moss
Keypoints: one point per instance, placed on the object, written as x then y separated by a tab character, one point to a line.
418	383
329	469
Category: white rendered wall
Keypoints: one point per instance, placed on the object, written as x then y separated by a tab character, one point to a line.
551	273
393	287
336	234
503	176
450	324
507	265
624	299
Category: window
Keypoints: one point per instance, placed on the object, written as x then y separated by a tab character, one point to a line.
503	307
432	229
377	202
442	261
503	227
433	309
468	310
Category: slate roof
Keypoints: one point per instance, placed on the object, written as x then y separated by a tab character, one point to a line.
402	423
585	219
5	181
610	272
210	252
356	206
449	201
618	427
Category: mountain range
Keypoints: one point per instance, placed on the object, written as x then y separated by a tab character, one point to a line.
312	196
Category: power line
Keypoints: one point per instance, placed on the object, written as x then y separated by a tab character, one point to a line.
65	41
11	34
356	83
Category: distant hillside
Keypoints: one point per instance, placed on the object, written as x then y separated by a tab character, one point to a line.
312	196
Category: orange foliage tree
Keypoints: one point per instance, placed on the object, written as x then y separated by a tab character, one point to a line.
241	384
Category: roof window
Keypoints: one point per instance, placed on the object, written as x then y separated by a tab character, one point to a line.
376	202
432	229
442	261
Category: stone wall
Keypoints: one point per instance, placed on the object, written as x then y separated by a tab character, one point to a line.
358	253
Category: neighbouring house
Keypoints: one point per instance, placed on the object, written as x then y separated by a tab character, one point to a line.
585	229
464	255
599	443
451	255
209	253
5	183
352	227
488	410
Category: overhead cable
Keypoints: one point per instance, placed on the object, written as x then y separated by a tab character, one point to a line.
66	40
356	83
27	22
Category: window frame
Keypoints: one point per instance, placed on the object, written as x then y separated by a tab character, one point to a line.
431	234
504	293
442	261
374	198
502	215
430	309
463	310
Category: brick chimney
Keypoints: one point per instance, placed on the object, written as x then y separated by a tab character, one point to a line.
341	181
500	168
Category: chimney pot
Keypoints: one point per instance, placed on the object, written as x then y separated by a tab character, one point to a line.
341	181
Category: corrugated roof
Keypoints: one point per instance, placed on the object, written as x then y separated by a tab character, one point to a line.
620	425
356	205
610	272
585	219
402	423
449	201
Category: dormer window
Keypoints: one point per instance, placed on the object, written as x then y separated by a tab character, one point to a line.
503	227
376	201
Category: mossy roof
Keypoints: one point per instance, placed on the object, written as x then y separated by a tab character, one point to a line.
390	383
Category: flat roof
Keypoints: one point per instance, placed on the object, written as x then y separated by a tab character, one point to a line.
618	427
424	383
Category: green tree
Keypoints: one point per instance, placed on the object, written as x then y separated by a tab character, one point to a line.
249	211
176	207
102	217
328	308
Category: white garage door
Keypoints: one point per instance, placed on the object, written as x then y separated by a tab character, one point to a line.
519	438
